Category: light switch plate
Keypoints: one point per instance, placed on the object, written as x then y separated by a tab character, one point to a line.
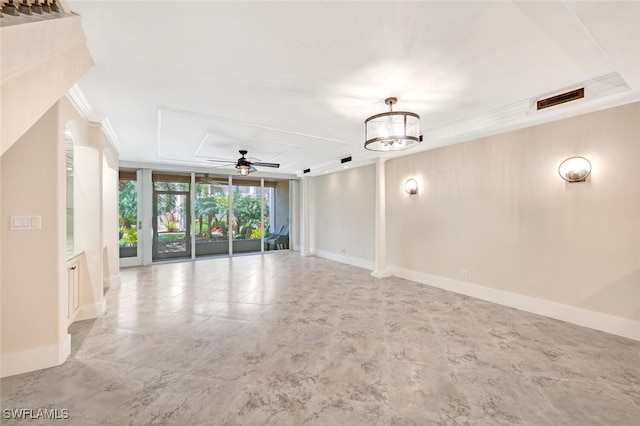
16	222
35	222
25	223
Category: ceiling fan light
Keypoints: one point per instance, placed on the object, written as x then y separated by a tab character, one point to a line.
243	169
393	130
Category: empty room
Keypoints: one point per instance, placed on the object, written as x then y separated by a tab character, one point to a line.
319	212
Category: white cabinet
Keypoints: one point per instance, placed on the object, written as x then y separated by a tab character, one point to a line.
73	285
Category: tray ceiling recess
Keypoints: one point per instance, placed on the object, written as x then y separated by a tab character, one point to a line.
267	77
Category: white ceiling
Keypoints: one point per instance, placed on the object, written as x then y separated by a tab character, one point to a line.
181	82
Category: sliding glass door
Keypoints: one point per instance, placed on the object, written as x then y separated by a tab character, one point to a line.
166	215
128	214
171	217
211	221
250	217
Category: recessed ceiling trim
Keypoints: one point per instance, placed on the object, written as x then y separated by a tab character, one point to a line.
606	85
204	140
594	89
257	126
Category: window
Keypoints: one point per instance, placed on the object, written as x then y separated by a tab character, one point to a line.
69	172
128	214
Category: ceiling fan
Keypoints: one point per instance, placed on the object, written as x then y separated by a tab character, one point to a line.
246	165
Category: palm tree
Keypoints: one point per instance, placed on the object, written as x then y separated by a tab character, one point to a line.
210	202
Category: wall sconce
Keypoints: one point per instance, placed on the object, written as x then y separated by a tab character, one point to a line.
575	169
411	186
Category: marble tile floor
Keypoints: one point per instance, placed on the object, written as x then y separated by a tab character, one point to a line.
281	339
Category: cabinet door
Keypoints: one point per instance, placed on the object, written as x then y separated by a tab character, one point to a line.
76	289
69	291
73	288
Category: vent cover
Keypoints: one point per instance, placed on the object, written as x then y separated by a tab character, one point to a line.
345	160
561	98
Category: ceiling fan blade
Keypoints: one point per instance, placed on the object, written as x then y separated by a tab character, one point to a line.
222	166
259	164
222	161
252	169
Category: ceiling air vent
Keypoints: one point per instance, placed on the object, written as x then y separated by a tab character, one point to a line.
561	98
345	160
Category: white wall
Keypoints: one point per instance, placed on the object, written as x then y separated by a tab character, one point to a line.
342	215
497	208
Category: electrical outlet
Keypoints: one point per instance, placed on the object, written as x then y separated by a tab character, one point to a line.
342	250
464	274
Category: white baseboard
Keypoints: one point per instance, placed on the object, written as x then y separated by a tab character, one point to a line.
95	310
112	281
583	317
127	262
35	359
349	260
380	274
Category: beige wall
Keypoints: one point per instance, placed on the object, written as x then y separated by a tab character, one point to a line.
34	278
110	251
88	213
497	208
95	208
281	205
296	215
40	62
33	263
342	213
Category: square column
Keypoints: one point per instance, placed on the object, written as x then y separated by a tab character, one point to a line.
380	270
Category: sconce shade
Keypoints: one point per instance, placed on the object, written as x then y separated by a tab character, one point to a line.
575	169
411	186
392	131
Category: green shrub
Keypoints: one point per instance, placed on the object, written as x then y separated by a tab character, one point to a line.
129	237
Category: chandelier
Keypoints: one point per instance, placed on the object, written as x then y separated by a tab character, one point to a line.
393	130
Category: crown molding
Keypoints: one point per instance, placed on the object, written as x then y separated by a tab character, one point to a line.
81	104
